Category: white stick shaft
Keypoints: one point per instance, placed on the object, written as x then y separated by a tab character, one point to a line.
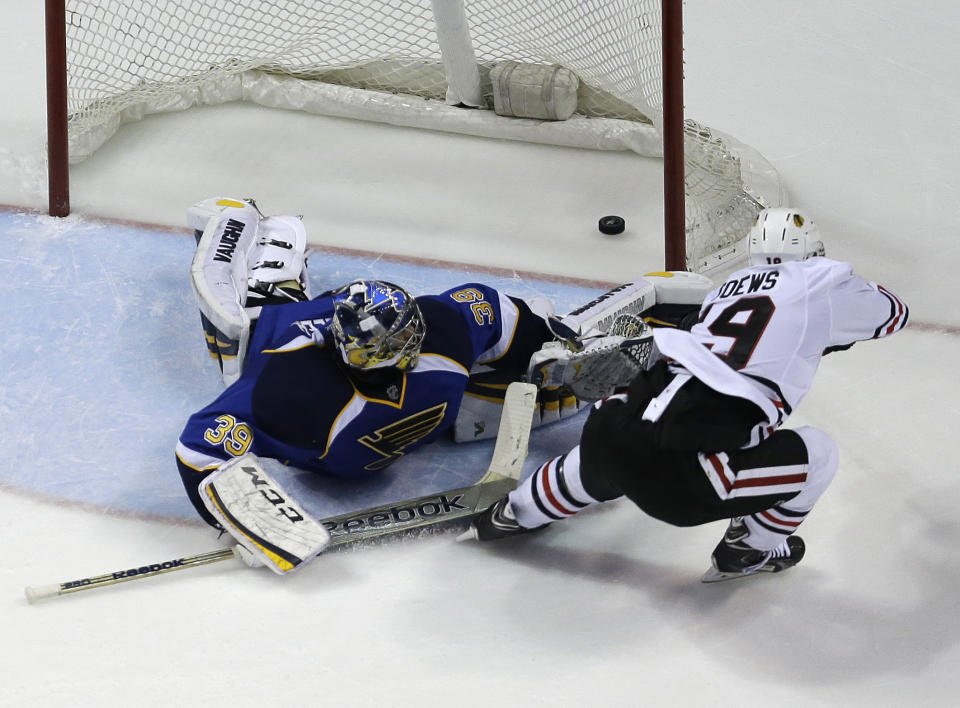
121	576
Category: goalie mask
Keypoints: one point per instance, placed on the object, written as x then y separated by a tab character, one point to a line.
781	235
377	324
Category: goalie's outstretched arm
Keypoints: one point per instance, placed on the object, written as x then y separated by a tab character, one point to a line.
604	344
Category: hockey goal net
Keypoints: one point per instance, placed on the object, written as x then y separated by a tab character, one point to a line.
407	62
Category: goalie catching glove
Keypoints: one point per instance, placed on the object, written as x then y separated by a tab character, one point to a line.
271	528
595	367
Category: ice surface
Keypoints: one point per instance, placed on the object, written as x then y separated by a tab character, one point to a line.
854	103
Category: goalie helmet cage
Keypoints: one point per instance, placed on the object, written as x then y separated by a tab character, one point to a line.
415	63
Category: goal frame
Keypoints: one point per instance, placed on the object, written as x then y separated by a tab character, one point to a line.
58	169
672	133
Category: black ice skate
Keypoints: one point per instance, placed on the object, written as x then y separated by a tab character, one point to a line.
732	558
498	521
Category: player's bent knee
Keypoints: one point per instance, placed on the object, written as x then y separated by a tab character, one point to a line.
823	460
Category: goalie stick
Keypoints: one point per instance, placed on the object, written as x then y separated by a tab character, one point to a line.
506	464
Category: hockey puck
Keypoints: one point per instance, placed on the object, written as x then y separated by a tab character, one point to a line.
612	225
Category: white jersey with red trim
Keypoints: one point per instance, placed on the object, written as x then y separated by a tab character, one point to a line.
762	333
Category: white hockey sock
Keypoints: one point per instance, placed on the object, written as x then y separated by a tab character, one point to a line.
768	529
551	493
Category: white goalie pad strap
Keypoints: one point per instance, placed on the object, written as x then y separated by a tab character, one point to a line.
218	275
279	252
261	516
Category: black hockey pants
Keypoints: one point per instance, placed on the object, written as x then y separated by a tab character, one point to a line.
657	465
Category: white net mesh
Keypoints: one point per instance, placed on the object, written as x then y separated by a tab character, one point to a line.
127	59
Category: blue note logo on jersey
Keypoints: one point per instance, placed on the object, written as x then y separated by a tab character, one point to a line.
391	440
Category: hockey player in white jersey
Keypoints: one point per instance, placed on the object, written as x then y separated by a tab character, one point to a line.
698	437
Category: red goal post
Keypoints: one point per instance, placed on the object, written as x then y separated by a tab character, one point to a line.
417	63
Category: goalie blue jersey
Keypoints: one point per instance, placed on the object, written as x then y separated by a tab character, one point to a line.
299	403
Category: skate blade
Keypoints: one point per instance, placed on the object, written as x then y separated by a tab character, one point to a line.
715	576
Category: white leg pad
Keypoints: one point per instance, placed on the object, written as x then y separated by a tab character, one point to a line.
280	252
218	275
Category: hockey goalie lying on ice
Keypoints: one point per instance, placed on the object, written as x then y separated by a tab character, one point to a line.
347	382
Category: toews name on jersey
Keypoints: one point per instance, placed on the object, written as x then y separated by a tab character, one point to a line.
749	284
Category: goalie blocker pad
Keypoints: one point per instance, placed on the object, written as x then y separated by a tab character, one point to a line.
253	508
